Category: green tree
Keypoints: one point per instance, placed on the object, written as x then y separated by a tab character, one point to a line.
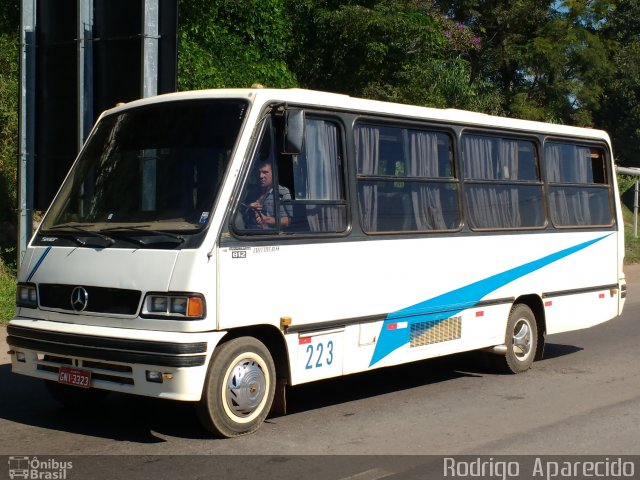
9	94
619	112
233	43
9	75
547	59
398	50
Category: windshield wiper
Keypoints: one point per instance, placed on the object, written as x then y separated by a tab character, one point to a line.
77	228
142	229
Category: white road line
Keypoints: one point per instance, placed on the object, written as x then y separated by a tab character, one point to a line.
373	474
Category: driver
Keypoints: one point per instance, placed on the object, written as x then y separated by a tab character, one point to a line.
262	210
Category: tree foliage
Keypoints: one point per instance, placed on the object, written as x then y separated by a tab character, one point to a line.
619	110
398	50
9	75
233	43
548	59
9	94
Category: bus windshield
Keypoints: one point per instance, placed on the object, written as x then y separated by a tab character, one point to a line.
158	167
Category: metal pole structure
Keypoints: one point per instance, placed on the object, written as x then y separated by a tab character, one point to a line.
150	47
26	159
635	210
85	76
85	70
149	87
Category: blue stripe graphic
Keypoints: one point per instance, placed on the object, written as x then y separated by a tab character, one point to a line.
37	265
455	301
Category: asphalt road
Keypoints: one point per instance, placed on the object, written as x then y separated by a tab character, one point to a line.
583	398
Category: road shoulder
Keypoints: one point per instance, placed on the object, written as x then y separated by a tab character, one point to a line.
4	356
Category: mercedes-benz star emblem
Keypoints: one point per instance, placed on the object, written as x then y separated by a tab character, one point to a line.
79	299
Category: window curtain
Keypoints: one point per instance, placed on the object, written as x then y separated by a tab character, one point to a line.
478	158
422	161
317	176
508	160
368	158
508	163
492	206
569	164
488	207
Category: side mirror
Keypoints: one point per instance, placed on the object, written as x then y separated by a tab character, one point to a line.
293	132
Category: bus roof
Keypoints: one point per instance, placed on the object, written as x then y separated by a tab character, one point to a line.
337	101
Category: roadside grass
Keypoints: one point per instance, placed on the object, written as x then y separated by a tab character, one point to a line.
631	244
7	293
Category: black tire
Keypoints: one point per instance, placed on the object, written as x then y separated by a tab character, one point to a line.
75	397
521	339
239	389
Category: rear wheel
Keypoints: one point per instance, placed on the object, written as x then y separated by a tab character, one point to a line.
521	340
75	397
239	389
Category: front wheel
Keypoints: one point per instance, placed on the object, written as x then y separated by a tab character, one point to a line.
521	340
239	389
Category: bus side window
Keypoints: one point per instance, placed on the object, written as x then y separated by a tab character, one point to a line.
502	190
579	195
405	179
319	204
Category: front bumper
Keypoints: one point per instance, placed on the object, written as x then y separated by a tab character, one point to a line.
119	359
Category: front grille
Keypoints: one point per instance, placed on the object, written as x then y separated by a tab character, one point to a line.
435	331
100	299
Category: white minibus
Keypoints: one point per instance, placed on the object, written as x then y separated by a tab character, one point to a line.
219	246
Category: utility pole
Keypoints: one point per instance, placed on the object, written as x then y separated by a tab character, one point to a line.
26	158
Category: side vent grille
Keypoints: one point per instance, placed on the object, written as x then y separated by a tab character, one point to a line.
435	331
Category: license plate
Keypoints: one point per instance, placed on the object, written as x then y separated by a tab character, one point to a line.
75	377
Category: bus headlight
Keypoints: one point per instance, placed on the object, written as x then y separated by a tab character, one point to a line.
158	304
179	305
188	306
27	295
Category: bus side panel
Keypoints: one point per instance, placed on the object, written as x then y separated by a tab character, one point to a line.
385	302
582	291
574	312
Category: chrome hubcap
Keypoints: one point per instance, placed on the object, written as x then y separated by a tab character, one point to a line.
521	339
246	387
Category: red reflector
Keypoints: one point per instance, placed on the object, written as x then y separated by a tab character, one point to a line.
601	295
480	314
304	340
392	326
548	304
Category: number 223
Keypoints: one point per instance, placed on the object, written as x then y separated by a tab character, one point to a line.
320	351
